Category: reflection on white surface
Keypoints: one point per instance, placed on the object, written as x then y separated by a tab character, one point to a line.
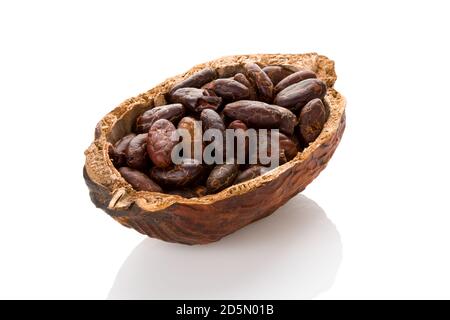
292	254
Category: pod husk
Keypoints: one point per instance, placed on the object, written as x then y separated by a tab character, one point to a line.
207	219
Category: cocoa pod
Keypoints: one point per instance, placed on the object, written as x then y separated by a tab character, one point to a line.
139	180
278	73
137	156
161	142
294	78
221	176
196	80
298	94
196	100
117	152
196	192
178	176
250	173
312	119
241	78
228	89
261	81
172	112
256	114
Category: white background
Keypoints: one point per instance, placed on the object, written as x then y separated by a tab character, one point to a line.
375	224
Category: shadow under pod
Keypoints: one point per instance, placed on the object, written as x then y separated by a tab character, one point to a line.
293	254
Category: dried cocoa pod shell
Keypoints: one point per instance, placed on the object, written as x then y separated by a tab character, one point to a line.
139	180
312	119
178	176
160	143
278	73
209	218
221	176
294	78
260	80
137	156
228	89
196	80
298	94
256	114
196	100
172	112
118	151
195	192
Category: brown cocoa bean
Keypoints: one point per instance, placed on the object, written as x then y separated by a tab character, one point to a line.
196	80
278	73
117	152
161	142
172	112
228	89
237	124
260	81
256	114
250	173
294	78
139	180
312	120
241	78
287	148
196	100
178	176
195	131
298	94
137	156
211	120
221	176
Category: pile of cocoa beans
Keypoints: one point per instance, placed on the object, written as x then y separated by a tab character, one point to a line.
271	97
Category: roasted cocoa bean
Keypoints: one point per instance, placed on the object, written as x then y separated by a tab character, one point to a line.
221	176
196	80
172	112
298	94
250	173
228	89
256	114
287	148
139	180
161	142
241	78
196	100
260	81
278	73
312	120
294	78
211	120
178	176
237	124
194	128
117	152
137	156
